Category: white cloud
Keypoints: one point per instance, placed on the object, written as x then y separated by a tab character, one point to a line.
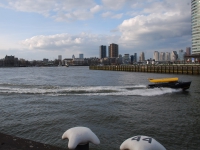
96	9
154	28
58	9
106	14
117	16
161	25
72	16
114	4
60	42
109	14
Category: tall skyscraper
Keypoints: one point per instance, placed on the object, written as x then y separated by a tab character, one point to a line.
135	57
156	55
142	57
60	60
132	58
188	51
181	55
167	56
126	58
113	50
162	56
174	55
59	57
81	56
195	26
102	51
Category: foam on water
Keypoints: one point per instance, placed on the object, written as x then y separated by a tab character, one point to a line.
139	90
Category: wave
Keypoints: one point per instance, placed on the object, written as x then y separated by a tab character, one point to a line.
135	90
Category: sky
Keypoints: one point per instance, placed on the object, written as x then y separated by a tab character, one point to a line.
37	29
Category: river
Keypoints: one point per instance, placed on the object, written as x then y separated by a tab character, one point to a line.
41	103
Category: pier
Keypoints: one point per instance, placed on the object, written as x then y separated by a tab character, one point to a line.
9	142
168	69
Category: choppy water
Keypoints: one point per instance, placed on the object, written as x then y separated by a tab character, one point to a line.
40	104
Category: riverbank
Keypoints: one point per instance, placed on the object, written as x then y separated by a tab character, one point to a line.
168	69
9	142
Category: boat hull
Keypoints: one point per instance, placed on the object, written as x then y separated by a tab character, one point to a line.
174	85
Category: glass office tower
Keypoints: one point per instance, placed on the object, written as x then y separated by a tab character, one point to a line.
195	5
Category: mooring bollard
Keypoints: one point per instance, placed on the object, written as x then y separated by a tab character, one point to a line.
79	138
141	143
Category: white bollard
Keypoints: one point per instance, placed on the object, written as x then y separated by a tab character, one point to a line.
141	143
79	138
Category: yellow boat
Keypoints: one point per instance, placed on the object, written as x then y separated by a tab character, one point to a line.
162	80
169	83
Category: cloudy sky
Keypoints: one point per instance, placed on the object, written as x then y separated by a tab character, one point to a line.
37	29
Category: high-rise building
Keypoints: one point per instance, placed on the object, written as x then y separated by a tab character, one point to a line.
119	59
142	57
113	50
132	58
181	55
195	26
162	56
126	58
59	57
188	51
81	56
102	51
174	56
135	57
156	55
167	56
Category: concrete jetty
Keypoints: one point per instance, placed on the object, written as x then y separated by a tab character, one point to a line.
9	142
168	69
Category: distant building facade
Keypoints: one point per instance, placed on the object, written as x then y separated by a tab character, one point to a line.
113	50
195	6
188	51
142	57
135	57
174	56
45	61
81	56
181	55
60	60
119	59
102	51
60	57
162	56
167	56
126	58
9	61
156	55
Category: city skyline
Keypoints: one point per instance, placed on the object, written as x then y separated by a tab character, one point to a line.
53	28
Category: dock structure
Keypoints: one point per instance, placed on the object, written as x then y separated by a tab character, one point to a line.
9	142
168	69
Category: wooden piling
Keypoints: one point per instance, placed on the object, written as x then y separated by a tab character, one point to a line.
168	69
